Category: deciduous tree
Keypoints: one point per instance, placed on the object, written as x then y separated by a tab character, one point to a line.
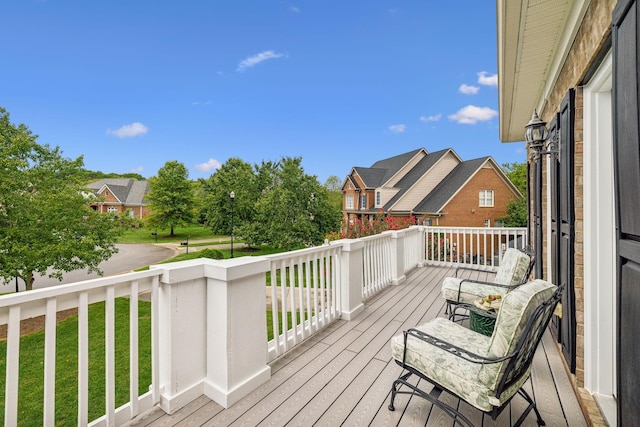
171	198
46	224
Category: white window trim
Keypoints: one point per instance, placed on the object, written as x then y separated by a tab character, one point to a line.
349	201
493	198
599	242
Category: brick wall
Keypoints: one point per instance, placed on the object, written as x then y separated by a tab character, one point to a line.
464	209
589	41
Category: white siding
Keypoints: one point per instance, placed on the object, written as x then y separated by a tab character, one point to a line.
427	183
405	169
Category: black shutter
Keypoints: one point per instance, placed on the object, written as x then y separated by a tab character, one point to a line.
565	239
626	139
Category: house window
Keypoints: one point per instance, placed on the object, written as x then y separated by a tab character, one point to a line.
486	198
378	198
363	201
349	201
487	223
112	210
428	221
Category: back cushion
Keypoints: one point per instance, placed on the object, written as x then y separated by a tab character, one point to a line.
513	267
515	310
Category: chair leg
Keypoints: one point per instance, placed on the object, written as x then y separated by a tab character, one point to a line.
532	405
394	389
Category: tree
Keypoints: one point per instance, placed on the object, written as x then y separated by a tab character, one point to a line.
293	212
46	224
517	208
334	187
517	173
171	198
237	176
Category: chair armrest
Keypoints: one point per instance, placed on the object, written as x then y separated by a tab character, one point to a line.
478	282
450	348
464	268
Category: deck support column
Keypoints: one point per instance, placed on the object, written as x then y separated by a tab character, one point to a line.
397	257
213	330
351	271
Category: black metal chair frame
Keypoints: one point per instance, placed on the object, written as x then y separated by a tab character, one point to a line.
519	362
453	307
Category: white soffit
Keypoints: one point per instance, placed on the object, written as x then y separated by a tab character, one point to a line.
534	38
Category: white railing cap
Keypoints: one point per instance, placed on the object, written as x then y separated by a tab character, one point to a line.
225	270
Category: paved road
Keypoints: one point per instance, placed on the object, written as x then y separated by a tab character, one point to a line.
129	257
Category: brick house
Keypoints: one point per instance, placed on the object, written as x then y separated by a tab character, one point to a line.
119	195
576	63
436	188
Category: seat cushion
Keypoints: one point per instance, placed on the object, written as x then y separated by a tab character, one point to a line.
516	309
453	373
470	291
513	267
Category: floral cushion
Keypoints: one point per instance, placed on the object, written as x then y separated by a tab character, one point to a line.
515	311
512	271
513	267
454	373
469	291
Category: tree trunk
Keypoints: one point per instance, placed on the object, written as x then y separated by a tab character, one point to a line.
171	234
28	280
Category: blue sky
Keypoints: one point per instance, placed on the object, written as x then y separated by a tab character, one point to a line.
133	84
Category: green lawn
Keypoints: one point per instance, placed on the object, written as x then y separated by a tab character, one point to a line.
31	384
144	234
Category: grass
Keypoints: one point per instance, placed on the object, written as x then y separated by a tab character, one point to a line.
31	383
144	234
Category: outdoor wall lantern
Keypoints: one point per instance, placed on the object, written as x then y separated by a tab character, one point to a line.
536	135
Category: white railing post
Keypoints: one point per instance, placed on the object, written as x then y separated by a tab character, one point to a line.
213	333
182	312
397	257
236	328
351	271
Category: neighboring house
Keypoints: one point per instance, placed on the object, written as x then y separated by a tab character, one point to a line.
121	195
577	63
436	188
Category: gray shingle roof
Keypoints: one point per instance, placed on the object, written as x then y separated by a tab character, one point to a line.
407	181
435	200
128	191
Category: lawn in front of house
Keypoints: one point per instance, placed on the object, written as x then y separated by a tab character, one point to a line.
144	234
31	380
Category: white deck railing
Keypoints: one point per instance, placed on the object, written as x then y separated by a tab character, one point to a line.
208	323
47	302
481	247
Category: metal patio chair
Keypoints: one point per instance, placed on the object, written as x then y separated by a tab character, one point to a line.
486	372
514	270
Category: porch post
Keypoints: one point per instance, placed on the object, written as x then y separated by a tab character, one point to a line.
236	329
351	278
213	330
397	256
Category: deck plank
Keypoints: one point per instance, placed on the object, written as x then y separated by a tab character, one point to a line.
343	374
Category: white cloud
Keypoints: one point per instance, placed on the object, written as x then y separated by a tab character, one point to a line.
129	131
434	118
485	80
208	165
468	89
139	169
470	115
294	9
201	103
254	60
397	128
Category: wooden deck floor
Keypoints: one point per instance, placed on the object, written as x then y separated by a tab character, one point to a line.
342	376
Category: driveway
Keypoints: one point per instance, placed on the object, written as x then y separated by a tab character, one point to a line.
129	257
